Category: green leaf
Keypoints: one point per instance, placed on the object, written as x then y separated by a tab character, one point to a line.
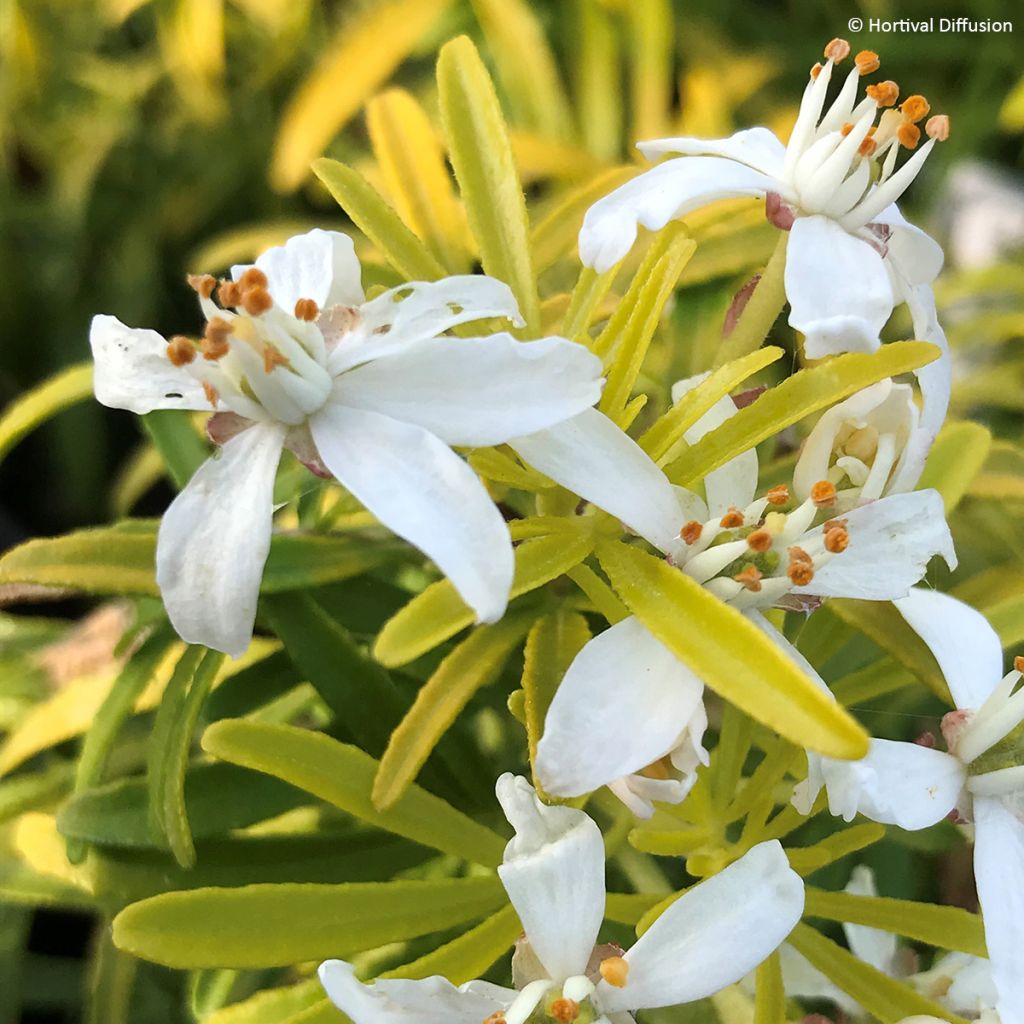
956	458
888	1000
770	998
474	663
111	981
276	925
796	397
343	776
43	402
373	216
272	1006
175	437
945	927
438	612
481	155
807	859
169	745
730	654
28	792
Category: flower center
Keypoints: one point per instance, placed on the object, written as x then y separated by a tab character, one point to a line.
990	741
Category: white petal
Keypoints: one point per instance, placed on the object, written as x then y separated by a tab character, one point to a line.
624	703
214	539
805	981
758	148
917	254
421	490
891	542
713	934
967	648
999	873
319	265
132	370
593	458
897	783
477	391
398	1001
871	945
838	288
553	871
664	193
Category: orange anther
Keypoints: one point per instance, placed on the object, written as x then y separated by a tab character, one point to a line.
732	519
215	339
867	147
823	494
691	531
867	61
913	108
800	573
253	278
777	495
498	1017
797	556
846	129
211	393
750	578
937	127
816	70
229	293
564	1010
272	358
202	283
614	970
256	301
759	540
909	135
833	524
306	309
1018	663
180	350
885	94
837	51
837	539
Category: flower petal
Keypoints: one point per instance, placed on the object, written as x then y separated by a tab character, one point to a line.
657	196
967	648
999	873
421	490
399	1001
214	539
477	391
600	725
918	256
712	935
891	542
319	265
593	458
871	945
553	871
132	370
838	288
758	148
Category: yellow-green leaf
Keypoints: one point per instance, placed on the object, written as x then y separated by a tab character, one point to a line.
27	412
651	34
598	76
731	655
770	993
482	158
807	859
955	460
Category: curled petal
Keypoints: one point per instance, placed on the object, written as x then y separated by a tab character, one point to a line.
758	148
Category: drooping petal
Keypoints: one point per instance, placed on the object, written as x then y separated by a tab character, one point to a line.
962	983
553	871
871	945
421	490
838	288
758	148
624	703
891	542
712	935
214	539
398	1001
967	648
477	391
593	458
419	310
319	265
132	370
917	255
668	191
999	874
897	783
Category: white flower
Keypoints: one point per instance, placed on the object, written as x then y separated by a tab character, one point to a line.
553	871
981	777
851	256
370	392
600	728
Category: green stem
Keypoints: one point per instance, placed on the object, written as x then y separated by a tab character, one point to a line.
762	309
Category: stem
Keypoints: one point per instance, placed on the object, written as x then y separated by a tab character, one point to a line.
762	308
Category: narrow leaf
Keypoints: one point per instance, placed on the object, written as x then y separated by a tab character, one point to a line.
955	460
770	998
175	437
43	402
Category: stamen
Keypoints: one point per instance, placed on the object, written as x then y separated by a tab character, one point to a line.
909	135
937	127
306	309
914	108
180	350
837	51
204	284
253	278
564	1010
691	531
229	293
837	539
256	301
799	557
749	578
498	1017
215	339
1018	663
800	572
272	358
732	519
759	540
614	970
211	393
867	62
816	70
846	129
778	495
885	94
867	147
823	494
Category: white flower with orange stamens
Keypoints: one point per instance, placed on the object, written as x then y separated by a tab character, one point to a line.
553	871
913	785
370	392
628	713
851	256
